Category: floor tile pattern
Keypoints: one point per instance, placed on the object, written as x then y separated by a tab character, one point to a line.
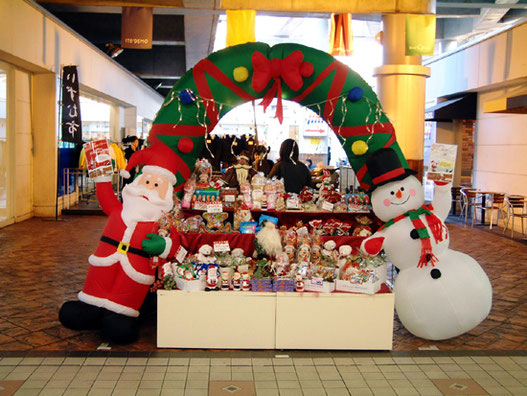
44	263
289	376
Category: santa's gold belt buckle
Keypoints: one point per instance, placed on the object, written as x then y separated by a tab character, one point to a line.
122	245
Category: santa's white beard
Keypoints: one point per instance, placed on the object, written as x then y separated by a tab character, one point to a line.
242	173
269	239
136	208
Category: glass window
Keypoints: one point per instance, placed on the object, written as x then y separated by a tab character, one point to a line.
3	146
95	117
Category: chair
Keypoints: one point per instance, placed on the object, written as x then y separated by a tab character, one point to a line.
470	198
496	203
515	208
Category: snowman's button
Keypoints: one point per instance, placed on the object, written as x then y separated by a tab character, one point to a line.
435	273
414	234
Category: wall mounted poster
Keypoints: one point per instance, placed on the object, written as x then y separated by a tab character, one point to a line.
442	162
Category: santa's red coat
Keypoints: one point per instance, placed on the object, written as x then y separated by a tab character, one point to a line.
120	281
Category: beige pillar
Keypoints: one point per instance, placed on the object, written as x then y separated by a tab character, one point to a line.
401	86
115	123
130	120
44	144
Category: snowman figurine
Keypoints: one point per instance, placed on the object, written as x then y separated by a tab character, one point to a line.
439	293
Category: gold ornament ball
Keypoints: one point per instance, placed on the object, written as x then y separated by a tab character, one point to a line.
241	74
359	147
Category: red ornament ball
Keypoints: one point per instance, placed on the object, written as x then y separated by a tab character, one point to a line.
185	145
306	69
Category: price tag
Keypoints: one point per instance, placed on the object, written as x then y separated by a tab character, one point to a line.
327	206
230	198
215	207
221	246
181	254
317	281
199	205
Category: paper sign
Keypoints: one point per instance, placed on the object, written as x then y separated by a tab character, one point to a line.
442	162
215	207
327	206
181	254
98	158
221	246
230	198
317	281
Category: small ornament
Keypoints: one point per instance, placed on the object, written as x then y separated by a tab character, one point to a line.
359	147
299	283
225	284
185	145
240	74
355	94
187	96
246	282
212	278
205	255
236	281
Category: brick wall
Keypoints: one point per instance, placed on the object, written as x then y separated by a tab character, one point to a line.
467	152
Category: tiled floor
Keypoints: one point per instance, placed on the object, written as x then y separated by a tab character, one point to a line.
307	374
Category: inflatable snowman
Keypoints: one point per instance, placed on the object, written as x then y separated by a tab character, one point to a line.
439	293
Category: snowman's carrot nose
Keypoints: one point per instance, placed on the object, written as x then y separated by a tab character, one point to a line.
398	194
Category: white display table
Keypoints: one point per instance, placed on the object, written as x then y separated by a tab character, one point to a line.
258	320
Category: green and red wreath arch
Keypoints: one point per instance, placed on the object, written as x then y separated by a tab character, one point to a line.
246	72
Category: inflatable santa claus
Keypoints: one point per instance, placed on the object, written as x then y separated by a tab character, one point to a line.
121	269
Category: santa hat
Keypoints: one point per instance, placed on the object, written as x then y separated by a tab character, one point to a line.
159	159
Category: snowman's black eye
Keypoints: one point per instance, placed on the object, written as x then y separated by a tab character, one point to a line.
402	188
391	192
148	182
156	185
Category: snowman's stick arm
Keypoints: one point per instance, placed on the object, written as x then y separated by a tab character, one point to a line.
442	199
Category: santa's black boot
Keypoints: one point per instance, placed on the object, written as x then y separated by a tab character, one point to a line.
118	328
77	315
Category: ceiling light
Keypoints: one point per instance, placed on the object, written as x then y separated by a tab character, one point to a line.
113	50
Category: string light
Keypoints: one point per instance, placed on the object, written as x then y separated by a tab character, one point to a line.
374	111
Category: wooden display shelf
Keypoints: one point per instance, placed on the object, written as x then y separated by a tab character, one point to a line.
259	320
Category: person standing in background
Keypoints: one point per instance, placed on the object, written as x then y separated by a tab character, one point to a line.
309	164
133	142
295	173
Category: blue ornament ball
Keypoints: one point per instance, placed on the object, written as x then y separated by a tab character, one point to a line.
355	94
187	96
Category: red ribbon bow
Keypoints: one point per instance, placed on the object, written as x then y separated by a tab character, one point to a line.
291	69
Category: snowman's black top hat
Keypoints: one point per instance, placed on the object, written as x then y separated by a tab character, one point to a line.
384	167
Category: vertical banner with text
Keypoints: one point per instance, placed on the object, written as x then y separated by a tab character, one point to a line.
71	112
137	25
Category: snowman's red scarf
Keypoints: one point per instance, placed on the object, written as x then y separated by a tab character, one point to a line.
435	224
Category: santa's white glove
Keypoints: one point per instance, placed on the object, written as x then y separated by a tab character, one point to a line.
101	179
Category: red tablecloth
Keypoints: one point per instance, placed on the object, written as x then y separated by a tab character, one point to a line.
193	240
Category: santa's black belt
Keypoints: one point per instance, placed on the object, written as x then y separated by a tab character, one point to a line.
124	248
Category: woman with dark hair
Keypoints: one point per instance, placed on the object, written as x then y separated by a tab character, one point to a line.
295	173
